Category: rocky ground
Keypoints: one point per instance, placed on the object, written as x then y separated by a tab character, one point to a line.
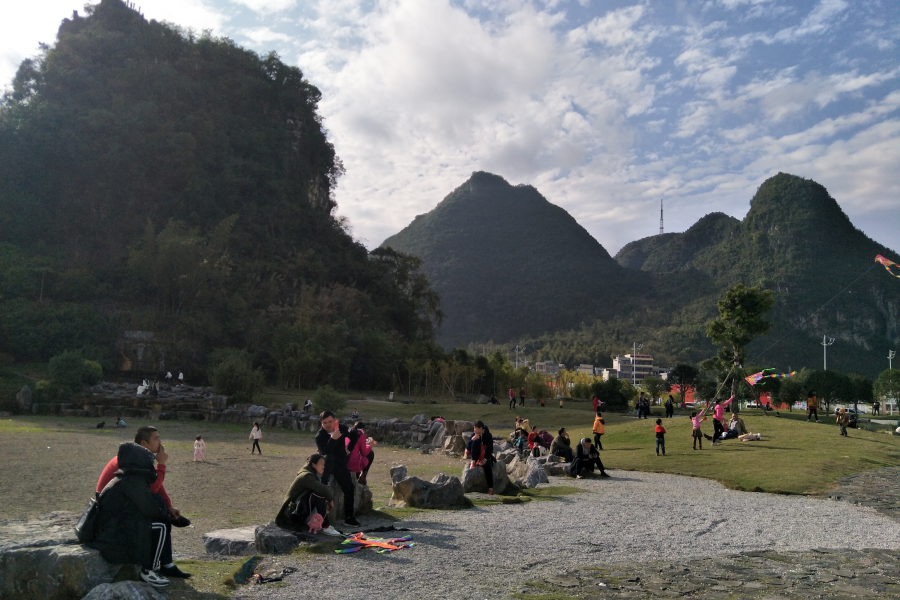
637	535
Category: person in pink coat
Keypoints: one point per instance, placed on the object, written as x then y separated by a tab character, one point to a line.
361	456
719	419
199	447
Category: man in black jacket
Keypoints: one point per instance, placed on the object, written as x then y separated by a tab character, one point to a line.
131	524
562	446
586	457
481	451
331	442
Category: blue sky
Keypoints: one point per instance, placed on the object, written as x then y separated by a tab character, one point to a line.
605	107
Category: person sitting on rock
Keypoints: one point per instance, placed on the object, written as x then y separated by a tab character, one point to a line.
480	449
562	446
307	406
535	442
307	497
586	459
331	443
148	437
131	526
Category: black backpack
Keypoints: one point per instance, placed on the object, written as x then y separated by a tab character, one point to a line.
86	527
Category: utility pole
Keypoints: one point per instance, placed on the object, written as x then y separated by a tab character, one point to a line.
891	355
635	347
826	341
517	355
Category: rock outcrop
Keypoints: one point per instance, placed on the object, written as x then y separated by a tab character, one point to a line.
474	480
441	492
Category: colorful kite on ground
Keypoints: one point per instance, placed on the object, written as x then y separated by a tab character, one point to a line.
757	377
359	541
887	263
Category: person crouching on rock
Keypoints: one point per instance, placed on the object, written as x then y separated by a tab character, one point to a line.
306	498
481	450
586	459
132	523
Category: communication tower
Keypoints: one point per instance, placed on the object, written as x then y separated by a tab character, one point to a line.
661	230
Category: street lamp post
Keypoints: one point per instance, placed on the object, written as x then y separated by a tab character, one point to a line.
826	341
891	355
635	347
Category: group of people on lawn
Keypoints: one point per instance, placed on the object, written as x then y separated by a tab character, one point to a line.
136	515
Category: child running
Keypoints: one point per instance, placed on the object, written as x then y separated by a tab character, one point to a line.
696	420
660	438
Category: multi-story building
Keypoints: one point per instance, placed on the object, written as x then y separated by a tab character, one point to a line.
589	369
548	367
633	368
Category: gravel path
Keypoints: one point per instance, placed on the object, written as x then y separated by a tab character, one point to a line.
630	517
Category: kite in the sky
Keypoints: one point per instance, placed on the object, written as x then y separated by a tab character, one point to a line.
887	264
757	377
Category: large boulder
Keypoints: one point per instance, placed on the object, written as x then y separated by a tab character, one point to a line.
41	558
535	475
24	398
420	420
463	426
362	501
441	492
454	444
231	542
257	412
126	590
473	479
272	539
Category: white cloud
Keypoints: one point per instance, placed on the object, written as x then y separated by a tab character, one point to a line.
267	6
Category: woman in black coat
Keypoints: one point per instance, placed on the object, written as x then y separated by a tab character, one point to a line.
131	525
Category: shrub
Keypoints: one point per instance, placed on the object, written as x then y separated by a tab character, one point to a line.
325	398
44	391
66	371
92	374
234	376
613	393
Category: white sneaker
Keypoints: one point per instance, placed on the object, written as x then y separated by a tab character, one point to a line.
154	578
330	530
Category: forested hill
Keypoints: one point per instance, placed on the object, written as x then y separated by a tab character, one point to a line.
507	263
797	241
154	180
513	268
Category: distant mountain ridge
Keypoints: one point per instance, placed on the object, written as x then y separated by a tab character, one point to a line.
511	267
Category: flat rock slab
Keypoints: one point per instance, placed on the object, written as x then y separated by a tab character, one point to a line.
52	529
879	489
231	542
126	590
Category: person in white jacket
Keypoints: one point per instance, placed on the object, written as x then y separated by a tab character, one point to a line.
255	435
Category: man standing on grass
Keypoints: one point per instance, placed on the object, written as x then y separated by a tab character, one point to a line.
332	444
148	437
812	406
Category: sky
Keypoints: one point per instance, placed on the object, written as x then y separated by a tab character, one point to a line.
606	107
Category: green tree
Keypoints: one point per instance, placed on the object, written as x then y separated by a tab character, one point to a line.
831	387
614	393
740	320
791	391
654	386
685	377
887	386
325	398
67	371
233	375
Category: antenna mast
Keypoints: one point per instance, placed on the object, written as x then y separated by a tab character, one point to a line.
661	230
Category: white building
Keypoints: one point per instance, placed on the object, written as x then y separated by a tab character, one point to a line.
633	368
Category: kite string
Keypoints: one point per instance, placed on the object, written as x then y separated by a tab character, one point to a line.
803	321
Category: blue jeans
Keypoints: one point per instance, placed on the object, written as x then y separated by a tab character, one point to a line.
660	444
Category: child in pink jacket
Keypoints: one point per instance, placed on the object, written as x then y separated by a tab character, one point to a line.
361	456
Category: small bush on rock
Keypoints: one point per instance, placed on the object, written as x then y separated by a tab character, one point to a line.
325	398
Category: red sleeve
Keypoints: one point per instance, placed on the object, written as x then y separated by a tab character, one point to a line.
157	486
109	471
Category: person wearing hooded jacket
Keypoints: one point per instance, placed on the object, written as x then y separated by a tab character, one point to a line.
131	525
306	493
